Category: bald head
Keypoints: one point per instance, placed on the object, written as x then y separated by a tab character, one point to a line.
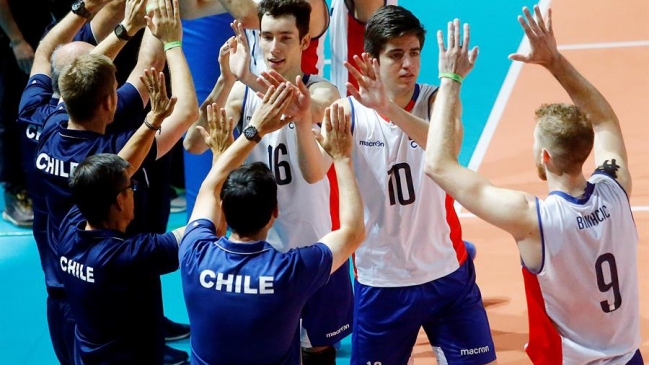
63	56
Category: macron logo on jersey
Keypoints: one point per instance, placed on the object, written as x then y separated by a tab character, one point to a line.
236	283
372	143
55	166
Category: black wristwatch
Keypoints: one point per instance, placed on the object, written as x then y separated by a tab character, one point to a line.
121	33
79	8
251	133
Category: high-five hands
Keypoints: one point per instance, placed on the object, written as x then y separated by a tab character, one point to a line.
335	136
456	60
269	116
220	136
371	91
543	46
161	105
165	24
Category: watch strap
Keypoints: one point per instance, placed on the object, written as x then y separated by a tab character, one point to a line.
121	33
79	8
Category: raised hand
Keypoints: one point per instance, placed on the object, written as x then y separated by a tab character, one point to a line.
161	105
269	116
165	24
456	58
224	59
301	104
335	137
371	91
134	15
239	52
543	46
220	136
24	54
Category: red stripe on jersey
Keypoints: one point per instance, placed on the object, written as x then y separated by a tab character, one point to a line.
544	346
355	34
333	198
310	58
456	230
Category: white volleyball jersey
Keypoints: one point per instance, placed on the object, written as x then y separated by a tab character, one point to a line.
304	214
413	233
583	303
257	62
345	40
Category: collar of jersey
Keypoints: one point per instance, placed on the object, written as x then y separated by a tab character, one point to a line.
99	233
243	248
76	133
411	103
582	199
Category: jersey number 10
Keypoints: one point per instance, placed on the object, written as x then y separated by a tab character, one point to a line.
396	176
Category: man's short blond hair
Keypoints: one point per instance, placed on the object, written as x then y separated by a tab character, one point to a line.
567	134
85	84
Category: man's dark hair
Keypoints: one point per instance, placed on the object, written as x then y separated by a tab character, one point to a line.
249	197
95	184
389	22
300	9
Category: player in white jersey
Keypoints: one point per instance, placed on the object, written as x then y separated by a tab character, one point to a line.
305	214
579	246
412	270
348	18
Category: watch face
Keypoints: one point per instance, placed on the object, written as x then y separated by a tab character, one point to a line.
250	132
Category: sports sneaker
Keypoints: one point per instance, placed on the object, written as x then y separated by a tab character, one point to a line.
178	204
18	209
178	201
175	357
174	331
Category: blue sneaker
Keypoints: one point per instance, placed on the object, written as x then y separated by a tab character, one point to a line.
175	357
174	331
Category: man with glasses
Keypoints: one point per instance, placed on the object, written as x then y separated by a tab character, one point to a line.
113	280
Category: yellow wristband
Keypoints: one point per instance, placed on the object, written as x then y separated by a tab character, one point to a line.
171	45
452	76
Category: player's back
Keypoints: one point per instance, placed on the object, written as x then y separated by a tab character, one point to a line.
588	281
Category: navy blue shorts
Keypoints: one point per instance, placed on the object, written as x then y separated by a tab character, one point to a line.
328	315
387	321
62	326
636	359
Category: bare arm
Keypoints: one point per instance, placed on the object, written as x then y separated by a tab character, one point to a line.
512	211
194	142
337	141
363	9
62	33
371	93
243	10
151	55
166	26
313	163
106	19
139	145
22	50
609	144
133	21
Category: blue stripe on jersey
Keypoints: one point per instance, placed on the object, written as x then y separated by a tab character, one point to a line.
538	215
581	200
353	116
612	178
